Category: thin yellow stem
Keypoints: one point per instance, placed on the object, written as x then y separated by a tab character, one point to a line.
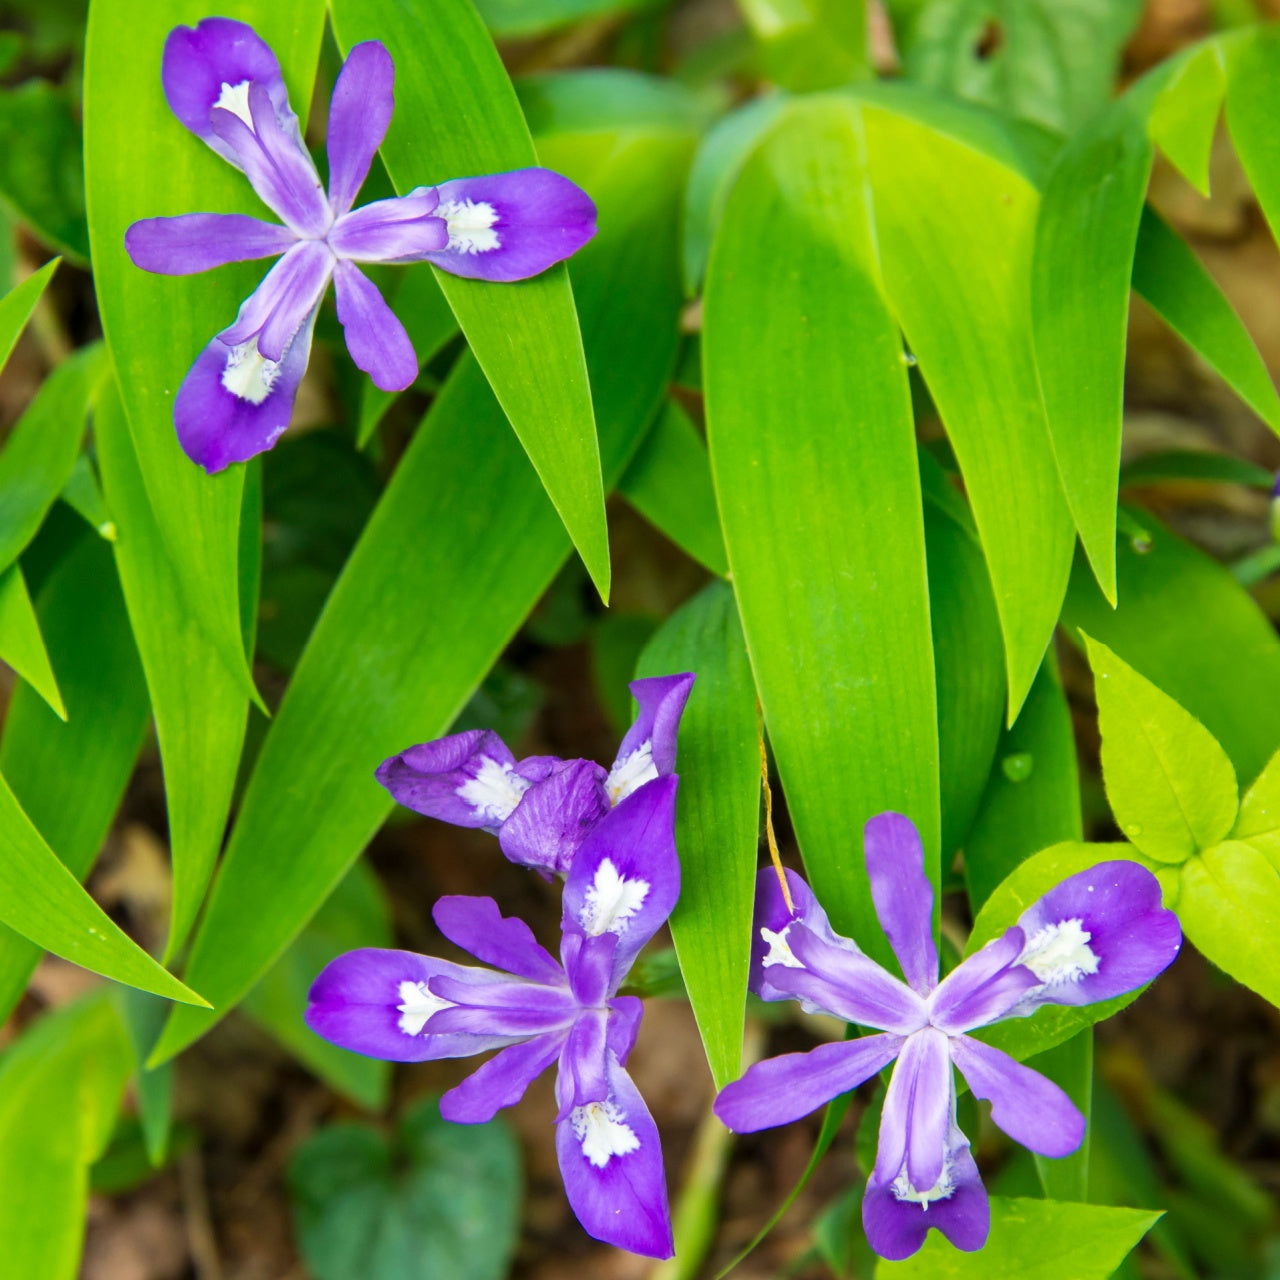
774	856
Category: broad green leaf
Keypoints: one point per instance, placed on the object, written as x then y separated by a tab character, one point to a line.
380	672
1171	786
1033	1240
609	99
1192	630
1185	115
956	274
438	1200
354	916
1169	276
717	818
17	305
1253	64
669	483
810	44
819	498
1070	1066
21	644
41	452
69	777
1051	61
140	162
457	114
1195	464
1259	819
511	19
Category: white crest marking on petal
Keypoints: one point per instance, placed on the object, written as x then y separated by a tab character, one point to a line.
611	901
235	98
779	950
1060	953
631	772
417	1004
248	374
470	224
495	790
600	1129
943	1189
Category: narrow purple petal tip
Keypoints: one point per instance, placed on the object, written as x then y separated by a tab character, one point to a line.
359	113
903	896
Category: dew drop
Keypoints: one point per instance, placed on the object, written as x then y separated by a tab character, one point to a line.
1019	766
1142	542
1133	829
909	359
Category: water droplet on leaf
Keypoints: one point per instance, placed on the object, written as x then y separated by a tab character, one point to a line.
1132	829
1019	766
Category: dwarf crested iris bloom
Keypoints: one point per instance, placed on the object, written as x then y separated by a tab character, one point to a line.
535	1011
541	808
224	83
1096	935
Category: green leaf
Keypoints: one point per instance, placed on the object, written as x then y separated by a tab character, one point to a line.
819	498
1195	464
143	1017
83	494
1259	819
21	644
17	305
512	19
440	1200
140	162
718	817
1185	115
956	273
69	777
1253	63
1171	786
1033	1240
1070	1066
1170	277
669	483
457	114
810	44
609	99
355	916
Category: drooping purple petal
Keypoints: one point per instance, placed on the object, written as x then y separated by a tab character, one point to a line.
625	878
649	748
555	816
1029	1108
213	64
375	337
505	942
500	1082
196	242
1098	934
233	404
468	779
402	229
611	1161
279	306
509	226
903	896
915	1122
779	1090
983	988
359	113
584	1061
625	1014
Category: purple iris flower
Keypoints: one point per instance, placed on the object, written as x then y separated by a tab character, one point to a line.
541	808
409	1008
224	83
1096	935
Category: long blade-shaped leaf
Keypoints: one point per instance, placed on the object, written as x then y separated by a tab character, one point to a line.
17	305
820	498
21	644
1253	64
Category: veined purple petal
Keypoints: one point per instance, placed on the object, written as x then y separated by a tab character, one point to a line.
649	748
780	1090
625	878
625	1013
589	963
213	65
983	988
509	226
278	166
359	114
500	1082
584	1061
375	337
234	404
915	1122
555	816
1029	1108
510	1016
401	229
903	896
468	779
1098	934
280	305
611	1161
506	942
196	242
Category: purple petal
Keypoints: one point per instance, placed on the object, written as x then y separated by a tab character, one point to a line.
611	1161
509	226
502	1006
769	925
197	242
625	1013
583	1062
903	896
280	305
500	1082
625	878
555	816
401	229
476	925
203	63
467	779
359	114
233	405
1029	1108
780	1090
377	1002
277	164
985	987
589	962
649	748
1098	934
375	337
915	1123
